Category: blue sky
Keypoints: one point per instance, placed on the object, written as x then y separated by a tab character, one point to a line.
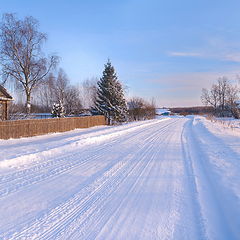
168	50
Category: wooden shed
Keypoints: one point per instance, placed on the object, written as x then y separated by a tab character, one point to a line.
5	98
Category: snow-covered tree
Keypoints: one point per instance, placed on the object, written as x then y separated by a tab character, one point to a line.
58	110
110	100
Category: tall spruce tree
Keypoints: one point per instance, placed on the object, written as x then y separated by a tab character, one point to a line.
110	99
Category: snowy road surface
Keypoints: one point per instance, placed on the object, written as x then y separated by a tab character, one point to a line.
172	178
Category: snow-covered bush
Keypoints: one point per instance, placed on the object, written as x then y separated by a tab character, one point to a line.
58	110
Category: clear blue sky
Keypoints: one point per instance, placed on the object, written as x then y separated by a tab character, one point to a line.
168	50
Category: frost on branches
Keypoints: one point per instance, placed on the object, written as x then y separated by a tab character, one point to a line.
110	99
58	110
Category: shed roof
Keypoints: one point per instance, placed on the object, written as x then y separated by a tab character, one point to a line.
160	111
4	95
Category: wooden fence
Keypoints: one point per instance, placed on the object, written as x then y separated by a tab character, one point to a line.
34	127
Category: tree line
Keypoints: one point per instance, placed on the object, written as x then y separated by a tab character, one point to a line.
223	97
45	88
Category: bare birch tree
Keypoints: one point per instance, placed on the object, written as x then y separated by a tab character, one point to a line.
222	97
68	94
89	92
21	54
46	92
58	89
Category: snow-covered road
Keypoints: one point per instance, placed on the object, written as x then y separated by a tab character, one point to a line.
170	178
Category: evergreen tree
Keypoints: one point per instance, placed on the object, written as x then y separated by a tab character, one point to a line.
110	99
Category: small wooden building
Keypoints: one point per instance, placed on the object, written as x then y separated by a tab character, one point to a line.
5	98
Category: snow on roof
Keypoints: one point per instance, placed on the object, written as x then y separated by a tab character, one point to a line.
162	110
4	95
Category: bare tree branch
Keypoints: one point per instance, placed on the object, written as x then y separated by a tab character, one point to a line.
20	53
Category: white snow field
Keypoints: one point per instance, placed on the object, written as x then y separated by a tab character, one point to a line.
169	178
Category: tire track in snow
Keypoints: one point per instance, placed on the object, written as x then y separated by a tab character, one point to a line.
82	140
192	182
160	217
52	168
86	198
37	144
46	156
217	215
103	218
80	226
